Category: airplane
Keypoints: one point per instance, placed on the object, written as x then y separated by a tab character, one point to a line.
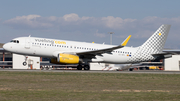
82	53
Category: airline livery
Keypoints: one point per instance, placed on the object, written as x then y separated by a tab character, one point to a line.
72	52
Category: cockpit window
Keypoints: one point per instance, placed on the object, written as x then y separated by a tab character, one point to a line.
14	41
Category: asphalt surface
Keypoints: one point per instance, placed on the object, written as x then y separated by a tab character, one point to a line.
82	71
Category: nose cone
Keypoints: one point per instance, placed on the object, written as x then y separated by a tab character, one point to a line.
6	46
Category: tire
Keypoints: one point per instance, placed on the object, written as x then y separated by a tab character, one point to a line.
130	69
86	67
42	68
79	67
24	63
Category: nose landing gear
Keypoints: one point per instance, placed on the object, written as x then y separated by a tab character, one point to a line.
24	63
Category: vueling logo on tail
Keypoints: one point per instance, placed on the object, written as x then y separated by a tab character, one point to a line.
154	45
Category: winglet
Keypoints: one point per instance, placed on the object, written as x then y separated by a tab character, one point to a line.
126	41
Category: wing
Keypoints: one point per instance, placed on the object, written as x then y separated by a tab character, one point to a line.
107	50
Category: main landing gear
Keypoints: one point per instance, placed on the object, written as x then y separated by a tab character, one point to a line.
86	67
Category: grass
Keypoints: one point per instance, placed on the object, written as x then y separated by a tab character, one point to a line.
62	86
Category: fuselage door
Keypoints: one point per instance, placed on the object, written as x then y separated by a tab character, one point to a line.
27	44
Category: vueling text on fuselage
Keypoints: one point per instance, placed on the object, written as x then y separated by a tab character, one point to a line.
59	42
50	41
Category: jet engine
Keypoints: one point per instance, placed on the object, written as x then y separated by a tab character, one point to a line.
66	59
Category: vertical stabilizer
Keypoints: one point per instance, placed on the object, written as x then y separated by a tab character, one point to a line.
155	43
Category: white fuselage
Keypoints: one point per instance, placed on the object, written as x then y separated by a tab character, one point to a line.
51	48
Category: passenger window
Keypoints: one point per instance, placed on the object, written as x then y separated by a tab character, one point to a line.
17	41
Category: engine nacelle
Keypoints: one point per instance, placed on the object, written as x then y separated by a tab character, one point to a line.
66	59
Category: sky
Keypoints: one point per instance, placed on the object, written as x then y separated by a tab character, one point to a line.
90	20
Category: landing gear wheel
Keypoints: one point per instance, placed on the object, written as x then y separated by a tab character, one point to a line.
24	63
79	67
86	67
42	68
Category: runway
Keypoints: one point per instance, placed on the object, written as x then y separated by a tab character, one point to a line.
82	71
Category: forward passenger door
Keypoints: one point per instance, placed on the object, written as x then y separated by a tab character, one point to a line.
27	43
